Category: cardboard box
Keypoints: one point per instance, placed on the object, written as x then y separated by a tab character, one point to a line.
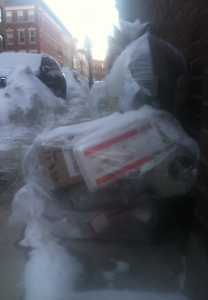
60	166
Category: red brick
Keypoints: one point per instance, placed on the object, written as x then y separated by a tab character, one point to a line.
196	32
202	6
202	173
187	8
197	68
168	19
191	121
198	227
203	143
205	86
186	41
197	123
202	204
172	25
205	55
195	105
204	23
179	44
199	50
193	87
171	3
191	53
199	87
205	116
191	19
205	240
174	36
180	3
181	29
174	10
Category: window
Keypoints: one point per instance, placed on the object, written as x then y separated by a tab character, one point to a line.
31	14
32	36
21	37
10	37
20	15
9	16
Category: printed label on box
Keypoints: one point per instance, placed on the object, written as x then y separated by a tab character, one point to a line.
126	152
71	162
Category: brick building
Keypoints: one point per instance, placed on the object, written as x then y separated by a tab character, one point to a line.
2	27
98	69
83	67
31	26
184	23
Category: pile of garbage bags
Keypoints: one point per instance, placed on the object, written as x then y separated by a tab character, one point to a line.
147	71
127	174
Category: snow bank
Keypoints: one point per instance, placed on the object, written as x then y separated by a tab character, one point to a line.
26	100
77	87
28	107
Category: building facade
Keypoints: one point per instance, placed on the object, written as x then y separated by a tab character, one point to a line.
83	66
98	69
2	26
31	26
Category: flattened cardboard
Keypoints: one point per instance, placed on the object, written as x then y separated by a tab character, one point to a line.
56	168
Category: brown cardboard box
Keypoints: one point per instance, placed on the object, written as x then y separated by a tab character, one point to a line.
60	166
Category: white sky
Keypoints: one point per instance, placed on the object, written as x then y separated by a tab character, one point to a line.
94	17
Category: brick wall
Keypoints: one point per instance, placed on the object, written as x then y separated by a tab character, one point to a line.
184	23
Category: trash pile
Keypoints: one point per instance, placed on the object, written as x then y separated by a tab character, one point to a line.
126	175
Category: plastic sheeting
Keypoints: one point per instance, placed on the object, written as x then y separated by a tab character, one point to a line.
124	33
99	106
108	149
148	67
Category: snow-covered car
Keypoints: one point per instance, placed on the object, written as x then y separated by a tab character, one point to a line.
43	66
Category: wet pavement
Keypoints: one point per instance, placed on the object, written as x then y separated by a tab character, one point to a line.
152	267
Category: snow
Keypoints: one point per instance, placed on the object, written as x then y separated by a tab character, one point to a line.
121	267
50	273
28	107
77	86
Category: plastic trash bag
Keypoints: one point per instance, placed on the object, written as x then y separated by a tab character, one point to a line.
132	31
99	106
106	150
156	67
124	32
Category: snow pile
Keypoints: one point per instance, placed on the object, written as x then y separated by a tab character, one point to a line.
109	276
77	87
50	273
26	100
28	107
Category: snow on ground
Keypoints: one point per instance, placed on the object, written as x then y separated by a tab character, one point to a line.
28	107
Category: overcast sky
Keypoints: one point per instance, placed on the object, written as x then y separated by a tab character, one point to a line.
94	17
